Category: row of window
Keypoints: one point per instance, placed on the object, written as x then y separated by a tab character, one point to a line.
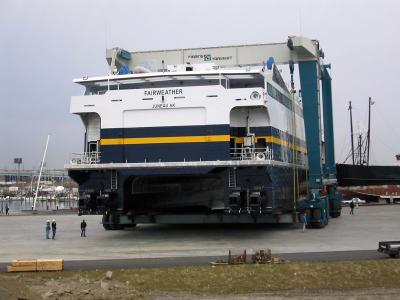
225	82
283	99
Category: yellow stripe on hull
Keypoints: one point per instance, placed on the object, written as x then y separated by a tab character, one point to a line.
192	139
272	139
166	140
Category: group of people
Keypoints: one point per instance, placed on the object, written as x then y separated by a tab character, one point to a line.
7	209
53	228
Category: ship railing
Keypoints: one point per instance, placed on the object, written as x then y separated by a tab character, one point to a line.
251	153
85	158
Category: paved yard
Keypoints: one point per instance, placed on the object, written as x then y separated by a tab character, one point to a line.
23	237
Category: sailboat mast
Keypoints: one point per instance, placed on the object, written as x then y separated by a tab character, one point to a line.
360	161
40	173
351	134
369	128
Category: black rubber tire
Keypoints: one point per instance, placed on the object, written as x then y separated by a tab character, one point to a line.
317	225
104	221
335	214
108	226
116	226
394	255
130	226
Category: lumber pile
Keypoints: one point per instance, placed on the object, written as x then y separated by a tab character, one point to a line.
237	259
259	257
34	265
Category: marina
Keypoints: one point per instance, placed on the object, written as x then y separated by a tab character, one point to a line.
56	190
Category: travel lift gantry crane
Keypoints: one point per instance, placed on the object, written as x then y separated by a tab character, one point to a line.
324	200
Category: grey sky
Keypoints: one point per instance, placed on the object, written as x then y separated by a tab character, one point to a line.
45	44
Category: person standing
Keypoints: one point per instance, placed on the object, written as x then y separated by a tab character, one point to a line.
47	229
352	207
53	228
7	209
83	228
303	220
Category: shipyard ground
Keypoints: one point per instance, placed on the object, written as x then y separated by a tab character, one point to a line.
347	238
318	280
23	237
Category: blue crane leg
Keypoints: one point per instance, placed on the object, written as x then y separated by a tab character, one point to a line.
334	197
330	166
309	92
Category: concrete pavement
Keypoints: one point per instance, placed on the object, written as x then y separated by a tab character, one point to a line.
23	237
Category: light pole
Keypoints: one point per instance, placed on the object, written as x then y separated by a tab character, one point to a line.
18	162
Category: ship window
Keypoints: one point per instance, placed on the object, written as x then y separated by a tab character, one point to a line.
172	82
283	99
255	82
276	77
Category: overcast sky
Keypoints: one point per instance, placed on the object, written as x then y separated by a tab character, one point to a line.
45	44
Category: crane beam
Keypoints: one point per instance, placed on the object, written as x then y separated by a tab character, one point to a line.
296	49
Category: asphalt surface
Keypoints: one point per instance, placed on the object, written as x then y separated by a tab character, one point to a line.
164	262
346	237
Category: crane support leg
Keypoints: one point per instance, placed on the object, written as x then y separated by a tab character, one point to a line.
309	92
334	198
316	206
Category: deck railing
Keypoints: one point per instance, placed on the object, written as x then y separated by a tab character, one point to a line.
244	153
250	153
85	158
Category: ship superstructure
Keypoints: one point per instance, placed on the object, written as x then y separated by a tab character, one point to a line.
190	142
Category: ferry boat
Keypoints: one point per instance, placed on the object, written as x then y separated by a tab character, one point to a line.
190	143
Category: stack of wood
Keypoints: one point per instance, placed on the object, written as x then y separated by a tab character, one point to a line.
278	260
262	257
34	265
237	259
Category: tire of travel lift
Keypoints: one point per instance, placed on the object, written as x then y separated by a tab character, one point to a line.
104	221
108	226
130	225
335	214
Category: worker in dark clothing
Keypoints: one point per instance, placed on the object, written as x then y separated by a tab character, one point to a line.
48	229
53	228
83	228
352	207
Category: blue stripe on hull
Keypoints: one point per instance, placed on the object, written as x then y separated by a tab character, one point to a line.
187	151
165	152
164	131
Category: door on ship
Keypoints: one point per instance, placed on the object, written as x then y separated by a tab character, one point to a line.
92	123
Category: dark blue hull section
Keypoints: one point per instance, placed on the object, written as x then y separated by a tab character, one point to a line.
255	190
165	152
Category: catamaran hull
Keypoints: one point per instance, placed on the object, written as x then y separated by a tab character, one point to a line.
265	190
